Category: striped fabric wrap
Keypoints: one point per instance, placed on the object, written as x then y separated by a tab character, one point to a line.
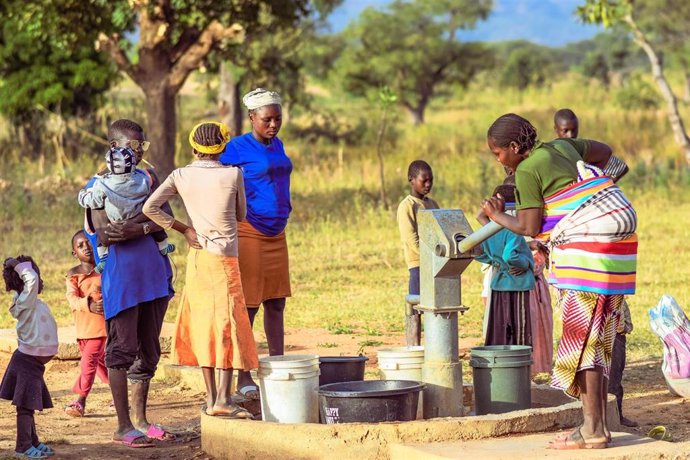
590	227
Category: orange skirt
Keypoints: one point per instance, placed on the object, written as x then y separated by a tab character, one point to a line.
263	265
212	327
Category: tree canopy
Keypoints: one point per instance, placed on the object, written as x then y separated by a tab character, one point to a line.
47	58
412	47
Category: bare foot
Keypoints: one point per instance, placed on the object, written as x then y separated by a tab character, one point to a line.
629	423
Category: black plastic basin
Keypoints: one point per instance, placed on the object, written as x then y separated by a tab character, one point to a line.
336	369
369	401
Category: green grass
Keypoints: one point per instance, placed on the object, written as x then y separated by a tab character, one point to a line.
346	265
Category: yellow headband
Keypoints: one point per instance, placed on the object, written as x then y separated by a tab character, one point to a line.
210	149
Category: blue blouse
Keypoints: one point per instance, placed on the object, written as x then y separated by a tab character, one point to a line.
135	272
266	171
504	250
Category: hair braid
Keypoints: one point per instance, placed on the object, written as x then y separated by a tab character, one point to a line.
208	134
513	128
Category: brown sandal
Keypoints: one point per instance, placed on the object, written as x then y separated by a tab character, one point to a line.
235	412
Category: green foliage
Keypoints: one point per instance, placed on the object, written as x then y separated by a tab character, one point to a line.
275	50
412	47
387	97
47	58
338	329
321	55
637	94
605	12
595	66
524	67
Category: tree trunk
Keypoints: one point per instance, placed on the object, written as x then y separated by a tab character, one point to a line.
417	114
379	153
229	102
686	84
666	91
161	114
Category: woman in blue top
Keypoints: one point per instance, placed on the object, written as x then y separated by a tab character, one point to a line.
263	254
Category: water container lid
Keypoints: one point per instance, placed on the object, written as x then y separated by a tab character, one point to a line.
370	388
402	351
288	361
343	359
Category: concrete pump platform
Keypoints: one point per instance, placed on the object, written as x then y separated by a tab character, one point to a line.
227	438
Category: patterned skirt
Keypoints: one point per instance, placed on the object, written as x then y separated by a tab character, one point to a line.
589	330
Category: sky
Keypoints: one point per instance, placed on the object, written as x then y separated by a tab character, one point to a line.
547	22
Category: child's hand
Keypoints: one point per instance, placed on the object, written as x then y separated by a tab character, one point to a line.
191	237
11	262
96	306
516	271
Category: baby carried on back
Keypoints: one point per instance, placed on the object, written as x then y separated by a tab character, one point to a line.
122	192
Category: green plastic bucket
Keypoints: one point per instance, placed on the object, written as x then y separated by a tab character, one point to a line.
501	375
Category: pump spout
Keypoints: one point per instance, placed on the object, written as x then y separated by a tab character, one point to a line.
476	238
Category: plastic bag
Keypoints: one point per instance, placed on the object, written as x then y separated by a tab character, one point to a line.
669	322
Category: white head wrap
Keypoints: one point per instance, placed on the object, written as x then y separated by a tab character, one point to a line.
260	97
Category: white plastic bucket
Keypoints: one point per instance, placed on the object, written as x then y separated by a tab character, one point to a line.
401	363
289	387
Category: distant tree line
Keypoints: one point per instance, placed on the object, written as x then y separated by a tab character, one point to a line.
50	65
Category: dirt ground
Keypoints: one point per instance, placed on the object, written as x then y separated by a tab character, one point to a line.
647	401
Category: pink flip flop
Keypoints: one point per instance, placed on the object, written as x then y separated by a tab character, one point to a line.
131	437
157	432
75	409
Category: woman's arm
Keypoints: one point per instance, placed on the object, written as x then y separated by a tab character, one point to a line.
153	209
241	201
527	222
598	154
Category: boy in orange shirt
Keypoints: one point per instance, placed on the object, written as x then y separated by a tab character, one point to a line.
86	301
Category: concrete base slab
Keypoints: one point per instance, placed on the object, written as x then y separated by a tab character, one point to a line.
225	438
624	446
67	337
